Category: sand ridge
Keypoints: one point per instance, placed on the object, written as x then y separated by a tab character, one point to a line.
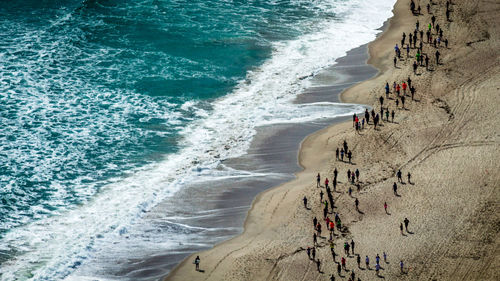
449	139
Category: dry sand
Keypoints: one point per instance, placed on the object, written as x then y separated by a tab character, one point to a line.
449	139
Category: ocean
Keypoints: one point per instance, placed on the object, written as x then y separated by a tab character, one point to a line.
110	108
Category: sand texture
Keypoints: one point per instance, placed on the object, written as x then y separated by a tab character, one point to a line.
448	138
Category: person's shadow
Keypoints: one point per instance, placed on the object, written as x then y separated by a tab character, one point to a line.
201	270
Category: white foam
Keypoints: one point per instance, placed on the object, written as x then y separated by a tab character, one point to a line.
53	247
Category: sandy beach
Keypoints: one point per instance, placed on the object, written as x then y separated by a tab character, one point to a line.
447	138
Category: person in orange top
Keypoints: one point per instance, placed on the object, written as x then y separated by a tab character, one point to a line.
404	88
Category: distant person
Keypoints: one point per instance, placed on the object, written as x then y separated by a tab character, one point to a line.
407	222
415	66
357	174
313	253
197	263
308	252
367	262
386	90
318	179
381	100
305	202
395	189
437	56
399	174
337	154
352	246
409	177
339	269
349	155
332	278
401	228
385	207
342	261
358	260
392	115
401	265
318	265
385	257
321	196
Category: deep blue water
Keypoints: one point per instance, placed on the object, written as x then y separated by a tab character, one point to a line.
95	93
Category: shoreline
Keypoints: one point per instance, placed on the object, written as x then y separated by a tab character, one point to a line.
431	135
273	150
339	90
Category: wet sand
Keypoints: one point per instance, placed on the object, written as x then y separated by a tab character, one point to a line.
217	213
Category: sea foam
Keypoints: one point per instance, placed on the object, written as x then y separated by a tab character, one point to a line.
61	246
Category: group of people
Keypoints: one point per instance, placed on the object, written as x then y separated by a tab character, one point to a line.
400	91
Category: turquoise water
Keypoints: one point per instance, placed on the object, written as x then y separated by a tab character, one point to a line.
91	89
98	98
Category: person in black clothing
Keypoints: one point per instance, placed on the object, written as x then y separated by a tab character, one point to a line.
406	221
305	202
437	56
395	189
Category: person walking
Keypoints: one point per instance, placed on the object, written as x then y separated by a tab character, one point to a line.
197	263
401	265
337	154
318	180
407	222
437	56
313	253
321	196
409	177
367	262
318	265
309	252
358	260
342	261
357	175
385	207
385	257
352	246
305	202
399	174
395	189
401	228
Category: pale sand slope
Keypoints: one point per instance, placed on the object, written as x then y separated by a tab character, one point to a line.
449	141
